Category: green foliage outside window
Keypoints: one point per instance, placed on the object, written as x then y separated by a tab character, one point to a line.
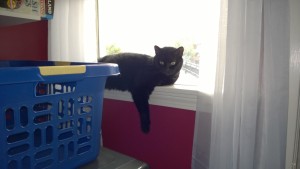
112	49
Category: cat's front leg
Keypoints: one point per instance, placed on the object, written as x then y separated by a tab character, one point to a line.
140	98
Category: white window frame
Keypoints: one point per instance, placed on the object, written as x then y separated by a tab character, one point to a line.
175	96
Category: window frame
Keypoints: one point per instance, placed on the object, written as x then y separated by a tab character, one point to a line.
174	96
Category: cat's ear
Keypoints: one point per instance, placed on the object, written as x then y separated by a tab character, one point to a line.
180	51
157	49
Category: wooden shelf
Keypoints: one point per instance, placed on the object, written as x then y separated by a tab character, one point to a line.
9	21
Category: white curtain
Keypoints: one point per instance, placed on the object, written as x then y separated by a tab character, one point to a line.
250	103
72	34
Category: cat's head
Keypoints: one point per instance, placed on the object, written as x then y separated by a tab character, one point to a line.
168	59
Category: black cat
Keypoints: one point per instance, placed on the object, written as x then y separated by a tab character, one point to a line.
139	74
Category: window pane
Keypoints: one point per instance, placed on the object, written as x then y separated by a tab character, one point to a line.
137	25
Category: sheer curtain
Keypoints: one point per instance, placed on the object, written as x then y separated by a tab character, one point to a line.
72	34
250	103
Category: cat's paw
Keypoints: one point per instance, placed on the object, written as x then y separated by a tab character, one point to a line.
145	128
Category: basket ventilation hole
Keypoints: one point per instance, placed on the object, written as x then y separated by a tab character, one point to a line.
18	149
84	99
66	125
71	149
24	116
83	149
43	153
84	110
84	140
55	88
88	124
49	135
26	162
79	126
61	152
42	118
65	135
37	137
9	118
44	164
60	109
71	107
42	107
17	137
12	164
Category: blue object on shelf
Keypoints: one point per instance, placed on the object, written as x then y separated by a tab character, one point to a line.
51	113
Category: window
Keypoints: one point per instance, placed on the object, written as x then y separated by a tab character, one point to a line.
137	25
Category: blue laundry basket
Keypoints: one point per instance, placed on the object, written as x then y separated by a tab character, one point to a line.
50	113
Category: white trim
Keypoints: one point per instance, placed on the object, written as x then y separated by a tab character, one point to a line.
176	96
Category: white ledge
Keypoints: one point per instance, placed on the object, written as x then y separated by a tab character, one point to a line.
176	96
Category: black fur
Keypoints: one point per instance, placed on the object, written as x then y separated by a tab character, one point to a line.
139	74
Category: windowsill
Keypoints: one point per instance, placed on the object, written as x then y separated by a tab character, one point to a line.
176	96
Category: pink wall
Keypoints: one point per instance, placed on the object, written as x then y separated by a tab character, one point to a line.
24	42
167	146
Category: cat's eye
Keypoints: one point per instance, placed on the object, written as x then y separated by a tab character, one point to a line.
173	63
161	62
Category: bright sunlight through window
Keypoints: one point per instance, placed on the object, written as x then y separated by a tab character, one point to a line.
137	25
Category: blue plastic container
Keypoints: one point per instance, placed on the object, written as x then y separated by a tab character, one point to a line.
50	113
